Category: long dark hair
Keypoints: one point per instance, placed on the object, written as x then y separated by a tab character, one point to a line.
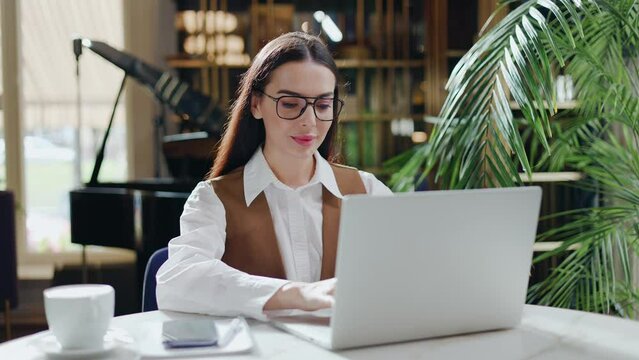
243	132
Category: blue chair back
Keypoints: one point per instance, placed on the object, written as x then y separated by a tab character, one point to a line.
149	302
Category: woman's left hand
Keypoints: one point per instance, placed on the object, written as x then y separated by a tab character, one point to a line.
304	296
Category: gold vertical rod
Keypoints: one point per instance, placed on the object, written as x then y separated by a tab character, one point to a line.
437	43
390	12
254	26
270	19
379	30
485	8
214	74
361	83
214	81
406	19
431	38
209	74
225	72
387	139
426	61
390	54
7	319
204	80
406	56
390	71
442	60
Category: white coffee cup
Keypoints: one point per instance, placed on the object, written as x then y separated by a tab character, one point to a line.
79	315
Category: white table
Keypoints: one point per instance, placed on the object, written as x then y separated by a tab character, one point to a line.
545	333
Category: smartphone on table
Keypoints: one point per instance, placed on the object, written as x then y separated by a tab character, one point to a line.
189	333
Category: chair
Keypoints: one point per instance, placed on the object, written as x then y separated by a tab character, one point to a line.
149	302
8	261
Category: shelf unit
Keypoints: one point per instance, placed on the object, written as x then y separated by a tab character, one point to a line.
564	105
559	194
546	177
195	63
551	245
395	58
381	117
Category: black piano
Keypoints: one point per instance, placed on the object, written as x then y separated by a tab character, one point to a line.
144	215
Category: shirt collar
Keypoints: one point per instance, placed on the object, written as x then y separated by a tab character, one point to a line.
325	175
258	176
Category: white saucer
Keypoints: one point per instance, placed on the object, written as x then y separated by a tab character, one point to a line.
49	345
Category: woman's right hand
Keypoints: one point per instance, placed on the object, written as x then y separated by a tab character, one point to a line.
303	296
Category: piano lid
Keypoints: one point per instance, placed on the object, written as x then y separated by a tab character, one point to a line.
188	158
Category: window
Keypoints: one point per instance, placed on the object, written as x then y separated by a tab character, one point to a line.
59	145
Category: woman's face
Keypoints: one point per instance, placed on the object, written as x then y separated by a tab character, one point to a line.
300	137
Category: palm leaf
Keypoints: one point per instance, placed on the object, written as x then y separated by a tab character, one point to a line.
479	142
518	54
607	236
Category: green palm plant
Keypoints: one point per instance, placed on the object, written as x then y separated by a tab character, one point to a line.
480	143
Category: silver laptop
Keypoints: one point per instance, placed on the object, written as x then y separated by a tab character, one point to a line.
420	265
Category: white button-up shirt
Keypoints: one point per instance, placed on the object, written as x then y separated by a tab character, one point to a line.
194	279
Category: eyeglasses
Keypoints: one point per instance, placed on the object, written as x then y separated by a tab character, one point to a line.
291	107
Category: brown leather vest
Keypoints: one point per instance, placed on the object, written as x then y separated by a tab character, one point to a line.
251	245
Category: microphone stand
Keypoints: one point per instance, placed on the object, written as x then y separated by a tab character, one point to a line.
100	156
77	168
160	132
77	50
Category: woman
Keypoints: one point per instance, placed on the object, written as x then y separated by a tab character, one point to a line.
261	233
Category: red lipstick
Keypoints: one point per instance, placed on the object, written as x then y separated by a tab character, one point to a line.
304	140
